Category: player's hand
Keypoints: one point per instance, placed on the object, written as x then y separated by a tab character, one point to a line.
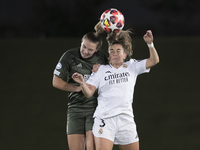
148	37
78	78
96	68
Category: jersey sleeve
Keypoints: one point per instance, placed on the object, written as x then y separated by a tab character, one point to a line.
140	66
94	79
62	68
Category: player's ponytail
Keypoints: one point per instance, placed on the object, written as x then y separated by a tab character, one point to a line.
98	28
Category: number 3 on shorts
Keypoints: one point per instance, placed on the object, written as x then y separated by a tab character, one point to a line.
103	123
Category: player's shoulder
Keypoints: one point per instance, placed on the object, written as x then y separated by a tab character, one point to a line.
133	61
104	67
71	52
100	52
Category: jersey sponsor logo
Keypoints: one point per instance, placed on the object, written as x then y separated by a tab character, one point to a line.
86	77
59	66
79	65
56	72
117	75
117	78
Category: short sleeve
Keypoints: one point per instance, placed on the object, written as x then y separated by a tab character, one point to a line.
62	67
139	66
94	79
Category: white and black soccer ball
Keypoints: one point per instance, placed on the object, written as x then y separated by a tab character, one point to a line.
112	20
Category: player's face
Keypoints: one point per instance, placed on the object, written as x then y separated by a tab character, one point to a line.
116	54
87	48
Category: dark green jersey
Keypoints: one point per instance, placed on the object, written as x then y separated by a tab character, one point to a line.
71	62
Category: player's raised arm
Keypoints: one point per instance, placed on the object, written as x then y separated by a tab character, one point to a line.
88	90
154	58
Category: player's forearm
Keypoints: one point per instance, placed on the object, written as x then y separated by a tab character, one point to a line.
62	85
153	59
86	90
68	87
153	55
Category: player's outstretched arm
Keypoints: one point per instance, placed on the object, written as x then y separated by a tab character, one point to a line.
154	58
62	85
88	90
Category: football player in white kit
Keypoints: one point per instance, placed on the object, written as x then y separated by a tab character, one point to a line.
114	119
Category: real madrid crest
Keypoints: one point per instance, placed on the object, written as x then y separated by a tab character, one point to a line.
125	66
100	131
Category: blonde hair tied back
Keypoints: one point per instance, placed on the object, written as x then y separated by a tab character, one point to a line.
98	28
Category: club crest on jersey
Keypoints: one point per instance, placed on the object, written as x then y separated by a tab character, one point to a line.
100	131
86	77
125	66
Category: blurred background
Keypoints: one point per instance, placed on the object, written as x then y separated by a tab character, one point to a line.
61	18
35	33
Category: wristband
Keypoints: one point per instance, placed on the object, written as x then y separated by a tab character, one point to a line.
150	45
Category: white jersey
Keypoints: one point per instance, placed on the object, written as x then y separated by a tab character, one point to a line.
116	87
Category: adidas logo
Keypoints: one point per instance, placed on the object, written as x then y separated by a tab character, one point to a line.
79	65
108	72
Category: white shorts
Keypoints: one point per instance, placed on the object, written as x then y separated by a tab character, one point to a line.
120	129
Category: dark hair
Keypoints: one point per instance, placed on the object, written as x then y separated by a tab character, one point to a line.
122	37
94	37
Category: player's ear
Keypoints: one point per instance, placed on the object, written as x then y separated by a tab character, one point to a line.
97	49
125	55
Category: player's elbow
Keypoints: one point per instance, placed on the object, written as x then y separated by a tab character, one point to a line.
55	82
88	90
156	61
88	95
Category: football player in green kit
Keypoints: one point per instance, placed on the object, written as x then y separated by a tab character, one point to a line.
80	109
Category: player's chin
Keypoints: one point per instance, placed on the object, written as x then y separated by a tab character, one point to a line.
86	56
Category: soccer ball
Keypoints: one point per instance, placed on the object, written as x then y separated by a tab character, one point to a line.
112	20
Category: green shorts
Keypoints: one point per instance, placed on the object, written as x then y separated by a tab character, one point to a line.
79	122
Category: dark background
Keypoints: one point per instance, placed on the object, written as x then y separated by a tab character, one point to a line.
56	18
35	33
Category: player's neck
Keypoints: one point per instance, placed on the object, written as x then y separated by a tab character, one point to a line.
117	65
